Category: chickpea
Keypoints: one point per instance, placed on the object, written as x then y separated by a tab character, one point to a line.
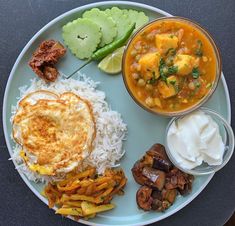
138	47
204	59
150	36
133	53
149	87
191	86
141	82
137	57
135	76
150	102
135	67
165	70
138	67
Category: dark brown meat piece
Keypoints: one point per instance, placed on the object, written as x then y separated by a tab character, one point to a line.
143	198
169	195
158	150
162	164
137	172
146	175
156	178
156	194
163	200
180	180
157	205
160	158
44	59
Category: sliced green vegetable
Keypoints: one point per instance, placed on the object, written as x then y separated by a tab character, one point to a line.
82	36
122	21
107	25
136	17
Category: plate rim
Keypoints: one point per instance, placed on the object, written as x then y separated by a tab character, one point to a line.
9	80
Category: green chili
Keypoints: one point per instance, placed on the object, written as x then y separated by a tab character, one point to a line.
103	52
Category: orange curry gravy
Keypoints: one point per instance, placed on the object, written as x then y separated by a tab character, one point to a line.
170	66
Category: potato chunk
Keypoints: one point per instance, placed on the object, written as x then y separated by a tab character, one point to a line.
149	65
185	64
164	42
166	90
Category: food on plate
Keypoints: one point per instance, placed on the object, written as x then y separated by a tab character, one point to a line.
44	59
107	25
110	29
108	49
64	125
115	27
170	65
194	139
111	64
161	181
56	131
84	194
82	36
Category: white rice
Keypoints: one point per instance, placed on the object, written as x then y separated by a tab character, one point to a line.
110	129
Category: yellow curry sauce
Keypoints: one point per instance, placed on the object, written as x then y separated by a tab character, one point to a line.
170	66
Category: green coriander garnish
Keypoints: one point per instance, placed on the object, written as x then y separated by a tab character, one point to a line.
195	72
198	51
172	70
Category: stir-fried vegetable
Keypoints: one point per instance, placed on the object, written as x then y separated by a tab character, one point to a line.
84	193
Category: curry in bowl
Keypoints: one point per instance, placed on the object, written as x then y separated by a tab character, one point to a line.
171	66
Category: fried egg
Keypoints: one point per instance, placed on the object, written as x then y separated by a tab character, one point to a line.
55	131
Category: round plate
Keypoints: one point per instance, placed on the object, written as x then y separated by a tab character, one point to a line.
144	128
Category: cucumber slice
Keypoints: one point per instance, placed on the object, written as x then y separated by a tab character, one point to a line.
122	21
82	36
106	24
139	18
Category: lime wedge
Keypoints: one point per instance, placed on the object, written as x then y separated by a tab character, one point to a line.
112	64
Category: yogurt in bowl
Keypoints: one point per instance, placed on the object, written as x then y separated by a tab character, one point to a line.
201	142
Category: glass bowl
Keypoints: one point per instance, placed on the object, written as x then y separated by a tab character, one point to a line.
127	79
227	135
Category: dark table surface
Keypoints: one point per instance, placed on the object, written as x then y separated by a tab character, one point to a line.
21	19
